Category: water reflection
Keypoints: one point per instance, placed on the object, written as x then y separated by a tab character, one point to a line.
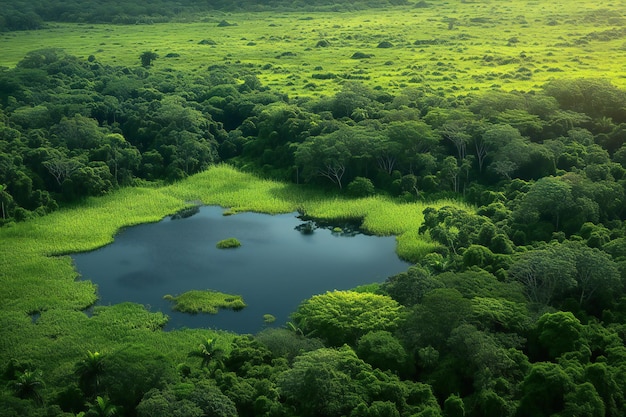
275	269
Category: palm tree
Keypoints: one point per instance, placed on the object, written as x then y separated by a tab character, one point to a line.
207	351
28	384
293	328
101	407
89	371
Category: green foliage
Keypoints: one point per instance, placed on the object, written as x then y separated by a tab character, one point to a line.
408	288
453	407
208	352
134	370
383	351
544	390
90	371
229	243
340	317
286	343
147	57
361	187
28	384
559	333
208	301
546	273
430	323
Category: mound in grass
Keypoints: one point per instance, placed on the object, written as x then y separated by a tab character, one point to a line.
208	301
229	243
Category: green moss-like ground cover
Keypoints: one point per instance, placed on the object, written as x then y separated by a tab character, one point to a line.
208	301
229	243
453	46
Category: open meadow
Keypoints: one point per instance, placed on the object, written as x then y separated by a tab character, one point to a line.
453	47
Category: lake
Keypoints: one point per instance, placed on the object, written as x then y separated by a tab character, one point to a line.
275	269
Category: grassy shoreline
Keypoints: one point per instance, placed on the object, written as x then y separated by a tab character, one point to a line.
33	249
42	296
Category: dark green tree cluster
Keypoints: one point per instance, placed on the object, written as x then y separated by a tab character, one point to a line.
27	15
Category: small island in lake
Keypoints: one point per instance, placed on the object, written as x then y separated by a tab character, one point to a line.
229	243
207	301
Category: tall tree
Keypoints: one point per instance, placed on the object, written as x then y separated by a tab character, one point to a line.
546	273
89	371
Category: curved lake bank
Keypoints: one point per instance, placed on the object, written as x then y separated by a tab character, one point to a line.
275	269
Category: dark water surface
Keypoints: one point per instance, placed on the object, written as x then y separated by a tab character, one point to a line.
275	269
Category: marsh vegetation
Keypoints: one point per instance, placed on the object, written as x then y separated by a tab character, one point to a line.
205	301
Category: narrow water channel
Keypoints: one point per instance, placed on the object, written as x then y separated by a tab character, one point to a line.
275	269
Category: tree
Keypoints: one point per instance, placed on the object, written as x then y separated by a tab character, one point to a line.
361	187
455	131
453	406
450	172
559	333
546	274
89	371
550	197
381	350
335	382
122	158
208	352
132	371
77	132
493	139
583	401
543	390
61	167
408	288
343	316
325	156
409	138
147	57
101	407
597	275
431	322
28	385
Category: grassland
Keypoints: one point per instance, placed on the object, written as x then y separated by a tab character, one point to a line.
452	46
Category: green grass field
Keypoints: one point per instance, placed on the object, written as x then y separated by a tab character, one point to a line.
453	46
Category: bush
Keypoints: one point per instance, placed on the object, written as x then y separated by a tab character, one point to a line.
361	187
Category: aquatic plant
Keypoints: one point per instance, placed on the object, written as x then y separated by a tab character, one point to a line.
229	243
208	301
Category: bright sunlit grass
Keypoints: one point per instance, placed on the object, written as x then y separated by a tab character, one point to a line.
490	44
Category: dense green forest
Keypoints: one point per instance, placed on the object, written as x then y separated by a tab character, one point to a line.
519	311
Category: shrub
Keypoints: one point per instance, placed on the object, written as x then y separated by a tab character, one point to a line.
361	187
